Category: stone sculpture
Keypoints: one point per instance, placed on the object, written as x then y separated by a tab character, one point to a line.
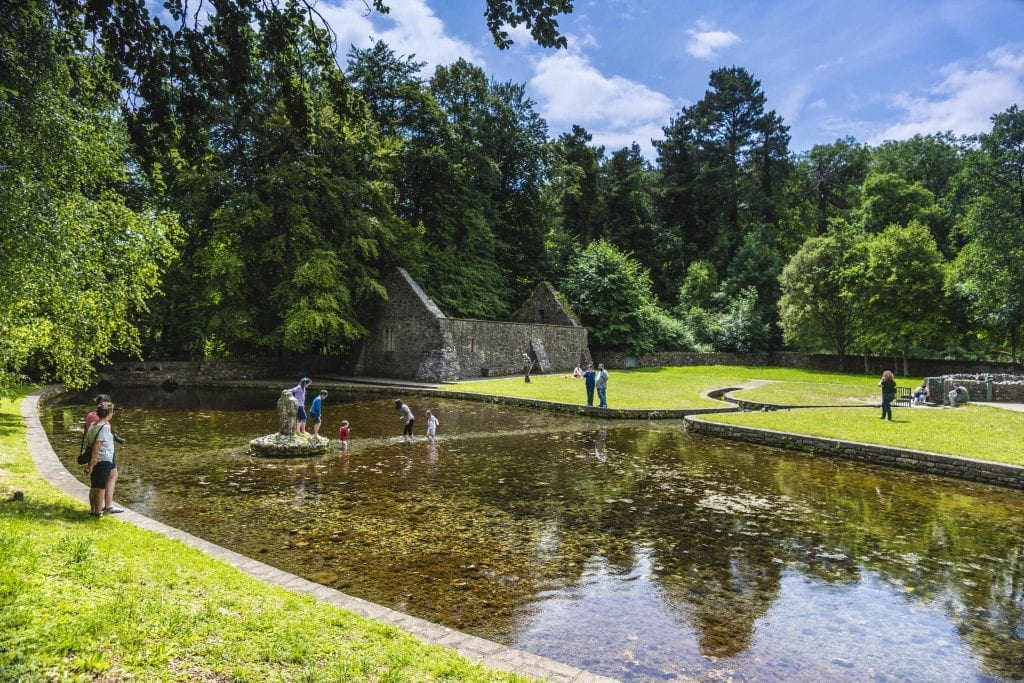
287	443
287	412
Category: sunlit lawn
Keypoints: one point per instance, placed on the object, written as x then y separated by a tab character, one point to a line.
974	431
971	431
85	599
681	387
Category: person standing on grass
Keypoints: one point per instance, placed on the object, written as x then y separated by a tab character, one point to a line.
602	386
527	367
299	392
316	411
588	382
408	418
888	385
91	419
101	463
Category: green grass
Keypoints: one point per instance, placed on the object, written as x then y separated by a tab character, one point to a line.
681	387
971	431
975	431
86	599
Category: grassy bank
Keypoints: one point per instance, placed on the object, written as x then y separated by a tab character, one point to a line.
681	387
85	599
971	431
974	431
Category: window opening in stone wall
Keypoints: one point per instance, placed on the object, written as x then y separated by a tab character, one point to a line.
472	345
540	314
389	339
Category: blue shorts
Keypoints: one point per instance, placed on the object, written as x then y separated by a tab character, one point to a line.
301	415
316	419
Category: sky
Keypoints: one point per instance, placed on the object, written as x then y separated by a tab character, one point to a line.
869	69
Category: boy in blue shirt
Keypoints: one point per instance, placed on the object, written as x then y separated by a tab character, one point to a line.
316	411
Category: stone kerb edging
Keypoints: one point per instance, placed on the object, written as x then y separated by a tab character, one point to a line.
486	652
998	474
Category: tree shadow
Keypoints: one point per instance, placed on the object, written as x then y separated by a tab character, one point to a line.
9	424
71	511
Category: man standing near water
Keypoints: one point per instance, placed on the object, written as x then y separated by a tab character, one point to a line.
602	386
588	382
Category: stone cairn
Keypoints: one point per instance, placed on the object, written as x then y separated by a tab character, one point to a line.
288	443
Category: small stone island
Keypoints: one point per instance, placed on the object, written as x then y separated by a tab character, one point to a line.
287	443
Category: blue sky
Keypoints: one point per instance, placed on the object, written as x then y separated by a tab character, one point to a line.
868	69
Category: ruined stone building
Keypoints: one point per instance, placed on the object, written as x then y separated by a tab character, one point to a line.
413	339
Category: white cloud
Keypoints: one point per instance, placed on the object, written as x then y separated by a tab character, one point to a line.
411	28
705	43
964	101
570	89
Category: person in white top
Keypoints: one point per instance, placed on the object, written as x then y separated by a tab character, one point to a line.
408	418
432	425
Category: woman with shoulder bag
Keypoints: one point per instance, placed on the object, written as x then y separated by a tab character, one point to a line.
101	468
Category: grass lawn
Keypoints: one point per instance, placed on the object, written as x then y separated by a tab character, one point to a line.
681	387
87	599
971	431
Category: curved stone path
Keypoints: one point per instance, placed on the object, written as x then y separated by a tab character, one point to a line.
489	653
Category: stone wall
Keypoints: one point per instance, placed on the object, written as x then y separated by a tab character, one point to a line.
919	367
545	307
414	339
491	349
187	373
1005	388
933	463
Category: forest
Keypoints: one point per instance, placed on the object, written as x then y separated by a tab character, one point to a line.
236	185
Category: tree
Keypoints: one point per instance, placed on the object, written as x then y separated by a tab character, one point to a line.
896	285
80	254
887	199
989	271
814	311
612	292
825	184
724	162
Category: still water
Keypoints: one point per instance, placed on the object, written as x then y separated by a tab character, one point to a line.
630	549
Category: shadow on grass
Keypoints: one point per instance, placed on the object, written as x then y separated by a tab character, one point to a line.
10	424
70	511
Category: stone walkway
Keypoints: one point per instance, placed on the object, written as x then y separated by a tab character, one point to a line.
476	649
1019	407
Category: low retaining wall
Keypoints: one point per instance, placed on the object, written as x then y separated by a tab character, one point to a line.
998	474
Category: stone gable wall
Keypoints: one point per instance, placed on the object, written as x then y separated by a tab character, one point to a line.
406	332
491	349
544	307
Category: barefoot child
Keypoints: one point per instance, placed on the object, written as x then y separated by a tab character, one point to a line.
316	411
432	425
343	435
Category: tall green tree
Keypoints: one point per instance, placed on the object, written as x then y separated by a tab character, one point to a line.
896	286
989	271
724	163
815	311
80	254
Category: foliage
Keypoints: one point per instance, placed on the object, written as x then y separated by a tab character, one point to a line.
989	271
80	256
814	311
896	285
612	294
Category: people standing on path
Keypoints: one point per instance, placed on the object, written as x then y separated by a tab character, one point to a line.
91	419
408	418
888	385
101	464
602	386
343	432
527	367
316	411
432	424
299	392
588	381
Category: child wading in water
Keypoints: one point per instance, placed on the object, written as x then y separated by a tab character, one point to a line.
432	425
343	435
408	418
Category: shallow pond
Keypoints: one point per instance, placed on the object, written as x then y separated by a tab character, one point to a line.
629	549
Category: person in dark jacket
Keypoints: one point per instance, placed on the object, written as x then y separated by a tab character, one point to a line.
888	385
589	380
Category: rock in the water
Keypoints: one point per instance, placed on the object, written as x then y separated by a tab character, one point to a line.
290	445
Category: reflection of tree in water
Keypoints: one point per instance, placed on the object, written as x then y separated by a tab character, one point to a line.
933	543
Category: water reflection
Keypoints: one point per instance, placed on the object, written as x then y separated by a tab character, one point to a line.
632	550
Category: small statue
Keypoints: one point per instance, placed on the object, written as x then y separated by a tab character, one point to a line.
287	412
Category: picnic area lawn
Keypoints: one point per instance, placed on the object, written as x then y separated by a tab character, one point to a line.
100	599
